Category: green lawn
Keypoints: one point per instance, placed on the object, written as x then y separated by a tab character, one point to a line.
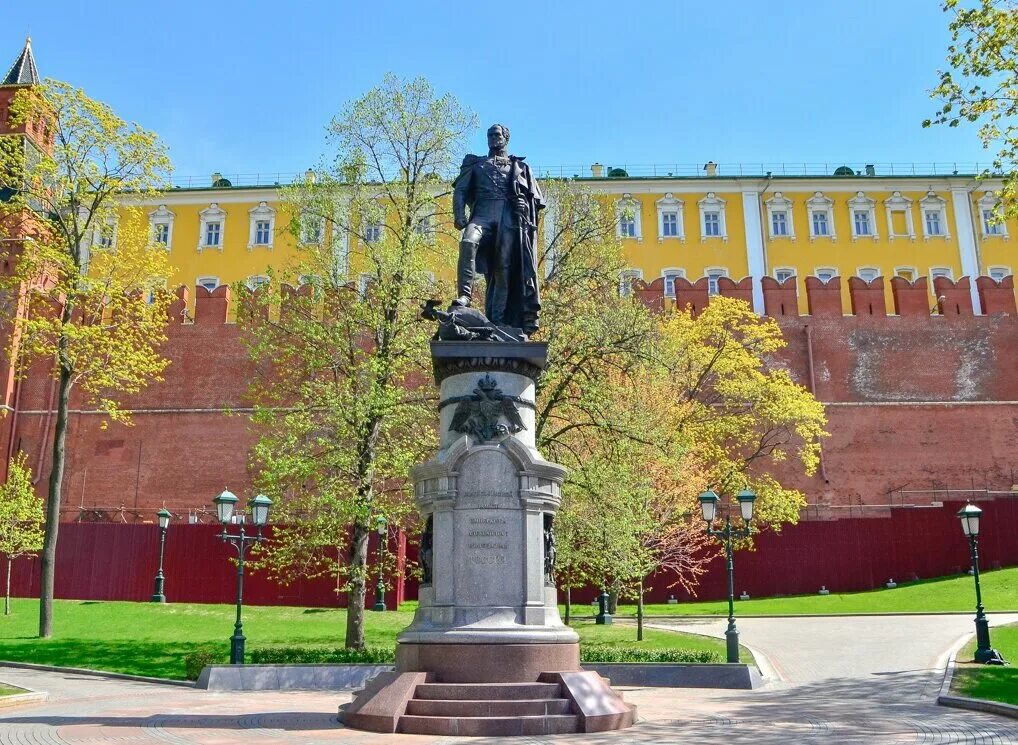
1000	593
6	690
990	681
153	639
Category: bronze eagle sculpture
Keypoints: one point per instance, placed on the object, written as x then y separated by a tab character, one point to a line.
479	414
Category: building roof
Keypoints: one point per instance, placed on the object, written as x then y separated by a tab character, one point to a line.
23	71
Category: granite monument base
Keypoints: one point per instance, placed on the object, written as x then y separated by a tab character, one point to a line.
487	663
487	653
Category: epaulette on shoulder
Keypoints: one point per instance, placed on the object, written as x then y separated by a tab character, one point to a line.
469	160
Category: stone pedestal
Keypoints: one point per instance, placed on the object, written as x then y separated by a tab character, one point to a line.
488	611
489	503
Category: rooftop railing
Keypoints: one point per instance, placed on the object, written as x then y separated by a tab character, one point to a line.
609	171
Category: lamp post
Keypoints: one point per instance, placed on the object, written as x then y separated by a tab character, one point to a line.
259	507
163	516
709	506
380	587
969	516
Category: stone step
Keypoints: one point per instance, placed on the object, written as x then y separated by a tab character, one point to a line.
510	726
488	708
487	691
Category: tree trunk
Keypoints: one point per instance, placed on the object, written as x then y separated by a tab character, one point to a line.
569	604
358	585
639	614
7	595
613	602
56	479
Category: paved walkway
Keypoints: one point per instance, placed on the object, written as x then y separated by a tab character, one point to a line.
845	680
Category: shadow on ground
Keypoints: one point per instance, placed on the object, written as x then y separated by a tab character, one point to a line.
281	720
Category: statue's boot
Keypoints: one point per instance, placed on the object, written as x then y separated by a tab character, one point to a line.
465	270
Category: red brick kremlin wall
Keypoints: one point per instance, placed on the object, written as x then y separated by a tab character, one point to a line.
923	409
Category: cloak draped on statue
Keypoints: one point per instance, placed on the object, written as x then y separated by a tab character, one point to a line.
524	296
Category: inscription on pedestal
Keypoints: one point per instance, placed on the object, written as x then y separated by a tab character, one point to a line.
488	537
488	541
489	531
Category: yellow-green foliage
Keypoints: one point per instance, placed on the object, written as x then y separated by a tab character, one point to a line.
97	304
21	513
981	84
346	407
741	412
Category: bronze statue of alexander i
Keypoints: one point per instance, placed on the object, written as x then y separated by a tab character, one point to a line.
499	236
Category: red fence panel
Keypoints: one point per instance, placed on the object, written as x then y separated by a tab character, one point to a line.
116	561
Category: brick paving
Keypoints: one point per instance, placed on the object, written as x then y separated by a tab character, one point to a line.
845	680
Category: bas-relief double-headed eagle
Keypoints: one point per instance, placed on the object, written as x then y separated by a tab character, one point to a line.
479	415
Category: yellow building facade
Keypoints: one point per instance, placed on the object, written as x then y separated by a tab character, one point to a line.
853	225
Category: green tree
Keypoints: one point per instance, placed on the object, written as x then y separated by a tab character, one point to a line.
97	306
981	84
648	410
739	412
21	518
345	407
603	410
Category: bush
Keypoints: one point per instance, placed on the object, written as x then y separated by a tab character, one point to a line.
605	653
387	655
322	656
196	661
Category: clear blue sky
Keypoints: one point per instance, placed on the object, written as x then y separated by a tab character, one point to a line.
245	87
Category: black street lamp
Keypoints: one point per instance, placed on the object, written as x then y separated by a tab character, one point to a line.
380	587
969	516
259	507
163	516
709	505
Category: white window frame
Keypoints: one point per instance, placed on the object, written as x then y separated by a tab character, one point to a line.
161	234
548	218
862	203
306	223
363	281
150	294
256	280
372	232
262	213
789	269
200	282
162	216
621	207
672	273
780	203
424	226
211	214
990	201
898	203
626	277
341	241
914	271
1005	272
832	269
819	203
102	227
669	205
713	203
932	202
874	269
714	273
941	271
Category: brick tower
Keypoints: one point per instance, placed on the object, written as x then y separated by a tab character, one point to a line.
15	227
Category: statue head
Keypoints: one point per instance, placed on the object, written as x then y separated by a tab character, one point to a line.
498	136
